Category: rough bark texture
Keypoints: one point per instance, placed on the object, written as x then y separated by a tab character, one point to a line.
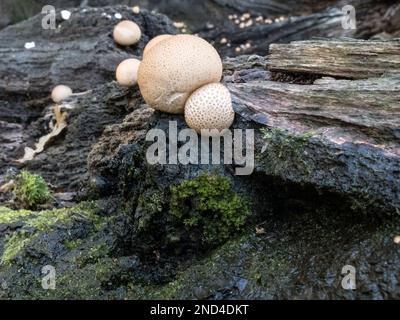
348	59
80	57
327	168
314	143
81	53
354	124
350	127
209	18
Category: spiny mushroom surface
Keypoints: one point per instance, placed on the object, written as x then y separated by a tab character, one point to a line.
126	72
127	33
153	42
209	107
60	93
176	67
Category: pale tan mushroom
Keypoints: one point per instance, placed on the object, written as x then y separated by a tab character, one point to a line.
153	42
176	67
209	107
60	93
126	72
127	33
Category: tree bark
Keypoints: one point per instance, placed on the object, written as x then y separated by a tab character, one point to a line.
339	135
82	54
338	58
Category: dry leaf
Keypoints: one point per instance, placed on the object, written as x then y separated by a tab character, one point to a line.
42	143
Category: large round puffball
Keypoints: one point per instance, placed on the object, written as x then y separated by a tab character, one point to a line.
126	72
176	67
209	107
127	33
153	42
60	93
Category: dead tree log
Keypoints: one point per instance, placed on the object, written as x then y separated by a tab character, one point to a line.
340	135
337	135
80	53
313	136
338	58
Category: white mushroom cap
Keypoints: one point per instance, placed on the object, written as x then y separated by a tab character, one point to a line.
209	107
60	93
126	73
127	33
156	40
175	68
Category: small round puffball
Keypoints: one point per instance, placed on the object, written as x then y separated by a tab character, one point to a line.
127	33
209	107
60	93
126	73
153	42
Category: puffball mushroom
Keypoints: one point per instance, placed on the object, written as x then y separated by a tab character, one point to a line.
60	93
126	73
209	107
127	33
153	42
176	67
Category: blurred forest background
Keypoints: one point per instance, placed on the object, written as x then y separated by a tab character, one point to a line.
244	27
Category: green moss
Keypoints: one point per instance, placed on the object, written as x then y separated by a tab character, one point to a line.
30	190
45	219
72	244
14	244
94	254
151	204
266	269
42	221
285	151
207	208
8	215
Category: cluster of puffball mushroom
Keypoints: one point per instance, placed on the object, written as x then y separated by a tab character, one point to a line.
178	74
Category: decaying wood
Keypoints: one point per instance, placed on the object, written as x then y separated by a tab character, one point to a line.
354	59
338	135
370	106
80	53
342	135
